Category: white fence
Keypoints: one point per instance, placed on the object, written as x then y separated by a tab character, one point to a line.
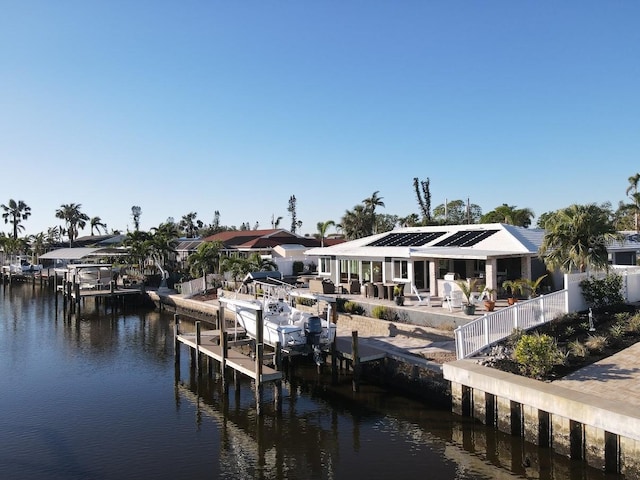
630	285
493	327
197	286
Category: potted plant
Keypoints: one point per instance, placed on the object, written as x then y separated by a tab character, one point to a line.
468	288
490	300
533	285
398	295
514	286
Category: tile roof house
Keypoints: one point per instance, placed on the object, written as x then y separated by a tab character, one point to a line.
281	246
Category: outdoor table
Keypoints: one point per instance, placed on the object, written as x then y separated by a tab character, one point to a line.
390	287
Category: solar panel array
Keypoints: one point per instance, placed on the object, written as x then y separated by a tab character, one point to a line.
465	238
407	239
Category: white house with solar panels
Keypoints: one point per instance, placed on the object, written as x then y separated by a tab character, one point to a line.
426	258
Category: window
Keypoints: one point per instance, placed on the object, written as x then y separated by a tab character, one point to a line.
400	270
325	265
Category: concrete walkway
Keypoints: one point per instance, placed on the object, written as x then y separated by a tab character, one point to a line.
615	378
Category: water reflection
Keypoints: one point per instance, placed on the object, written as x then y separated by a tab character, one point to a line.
327	431
95	395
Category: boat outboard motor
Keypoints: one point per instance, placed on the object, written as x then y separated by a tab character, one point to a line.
313	330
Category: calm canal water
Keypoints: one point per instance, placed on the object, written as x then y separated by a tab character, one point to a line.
97	396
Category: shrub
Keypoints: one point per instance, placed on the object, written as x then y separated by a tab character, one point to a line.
622	316
633	324
537	354
353	308
297	267
603	292
596	343
577	349
617	331
307	302
569	331
382	313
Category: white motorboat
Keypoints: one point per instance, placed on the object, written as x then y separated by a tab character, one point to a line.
22	264
296	331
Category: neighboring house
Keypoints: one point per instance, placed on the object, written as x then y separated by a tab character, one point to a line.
279	245
626	252
184	248
422	256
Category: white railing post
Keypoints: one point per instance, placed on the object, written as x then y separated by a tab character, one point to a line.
459	345
485	325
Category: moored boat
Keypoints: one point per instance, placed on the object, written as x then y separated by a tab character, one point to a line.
294	330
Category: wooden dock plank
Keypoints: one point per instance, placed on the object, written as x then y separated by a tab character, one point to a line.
367	352
234	359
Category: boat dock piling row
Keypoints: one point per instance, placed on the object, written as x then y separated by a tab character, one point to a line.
217	347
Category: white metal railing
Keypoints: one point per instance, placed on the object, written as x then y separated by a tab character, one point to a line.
495	326
196	286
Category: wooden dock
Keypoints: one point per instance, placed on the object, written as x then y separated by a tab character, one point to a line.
210	345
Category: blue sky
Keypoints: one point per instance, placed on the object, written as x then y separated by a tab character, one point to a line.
235	106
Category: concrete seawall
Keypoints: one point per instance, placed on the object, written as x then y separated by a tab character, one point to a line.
603	433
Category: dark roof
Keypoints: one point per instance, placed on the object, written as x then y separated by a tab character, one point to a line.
256	239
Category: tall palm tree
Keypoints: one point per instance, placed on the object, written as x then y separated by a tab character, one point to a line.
97	224
576	238
162	242
74	219
322	230
370	205
632	192
15	213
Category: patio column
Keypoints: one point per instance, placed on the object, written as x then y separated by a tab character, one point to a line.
491	273
433	278
525	267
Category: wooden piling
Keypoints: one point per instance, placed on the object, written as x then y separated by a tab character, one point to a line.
176	332
259	358
356	361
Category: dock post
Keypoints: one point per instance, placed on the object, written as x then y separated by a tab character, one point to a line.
223	349
277	395
259	355
334	361
356	361
198	342
176	333
278	356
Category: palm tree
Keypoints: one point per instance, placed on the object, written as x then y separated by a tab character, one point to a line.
162	242
206	259
577	237
632	192
140	248
14	213
356	223
275	222
39	244
322	230
510	215
74	219
96	222
370	205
